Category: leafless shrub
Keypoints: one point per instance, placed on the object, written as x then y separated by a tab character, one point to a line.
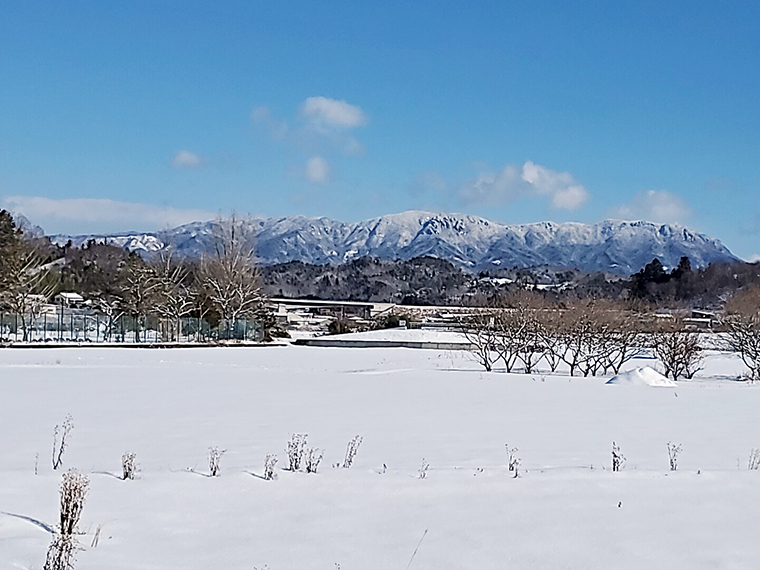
351	449
59	447
673	451
516	467
677	349
754	459
296	451
313	458
61	553
269	463
129	465
96	536
214	457
618	459
422	473
512	460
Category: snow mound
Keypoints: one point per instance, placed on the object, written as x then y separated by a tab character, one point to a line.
642	377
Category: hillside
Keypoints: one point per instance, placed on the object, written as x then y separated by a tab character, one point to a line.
470	242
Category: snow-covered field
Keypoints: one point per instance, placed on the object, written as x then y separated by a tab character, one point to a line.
565	510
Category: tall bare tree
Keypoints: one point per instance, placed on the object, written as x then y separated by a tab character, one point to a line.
175	296
139	290
230	276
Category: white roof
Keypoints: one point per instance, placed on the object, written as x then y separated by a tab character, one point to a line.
71	296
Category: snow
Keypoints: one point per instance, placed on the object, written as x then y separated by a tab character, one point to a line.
403	334
642	376
468	241
565	510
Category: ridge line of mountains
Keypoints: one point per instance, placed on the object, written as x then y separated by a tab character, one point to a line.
470	242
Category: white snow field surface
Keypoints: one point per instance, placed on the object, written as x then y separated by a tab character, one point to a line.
567	509
642	376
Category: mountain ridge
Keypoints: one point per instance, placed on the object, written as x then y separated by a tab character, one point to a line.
470	242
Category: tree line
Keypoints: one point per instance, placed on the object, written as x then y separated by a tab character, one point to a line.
221	288
597	336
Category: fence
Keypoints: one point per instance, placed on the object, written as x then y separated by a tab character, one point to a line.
76	325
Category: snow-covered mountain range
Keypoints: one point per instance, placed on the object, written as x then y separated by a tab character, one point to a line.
470	242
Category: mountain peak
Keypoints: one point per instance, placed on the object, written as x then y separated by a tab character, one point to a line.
472	242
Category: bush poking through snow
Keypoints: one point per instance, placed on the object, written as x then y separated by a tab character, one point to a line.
296	450
351	449
512	459
129	465
516	467
61	553
269	463
214	457
673	451
618	459
423	469
754	459
59	447
313	458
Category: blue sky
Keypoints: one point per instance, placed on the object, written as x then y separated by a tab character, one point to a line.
149	114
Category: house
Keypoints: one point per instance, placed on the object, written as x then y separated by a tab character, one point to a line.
69	300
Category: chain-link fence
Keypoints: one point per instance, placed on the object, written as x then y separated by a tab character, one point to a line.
77	325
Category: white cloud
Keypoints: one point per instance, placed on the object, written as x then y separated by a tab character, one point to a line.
514	182
324	113
89	215
187	159
754	258
321	125
654	206
317	170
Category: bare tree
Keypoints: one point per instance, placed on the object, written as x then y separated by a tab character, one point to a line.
551	337
175	297
527	329
742	324
230	275
578	336
480	330
625	340
139	289
677	349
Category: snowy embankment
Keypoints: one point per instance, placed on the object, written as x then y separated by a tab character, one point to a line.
565	510
642	376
